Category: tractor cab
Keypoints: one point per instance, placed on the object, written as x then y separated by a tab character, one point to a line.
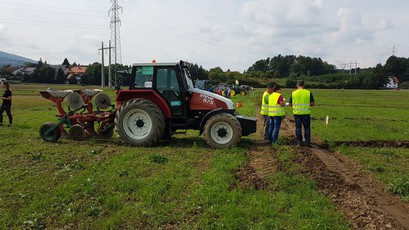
170	80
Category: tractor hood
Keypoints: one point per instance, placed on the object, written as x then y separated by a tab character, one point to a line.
204	100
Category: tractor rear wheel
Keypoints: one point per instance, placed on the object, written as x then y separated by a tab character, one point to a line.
222	131
139	122
52	136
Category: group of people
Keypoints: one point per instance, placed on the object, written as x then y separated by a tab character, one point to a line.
272	109
6	105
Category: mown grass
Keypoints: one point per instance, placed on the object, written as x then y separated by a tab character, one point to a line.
181	183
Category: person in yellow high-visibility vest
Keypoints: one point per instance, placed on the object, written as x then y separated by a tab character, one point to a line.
264	109
301	100
276	112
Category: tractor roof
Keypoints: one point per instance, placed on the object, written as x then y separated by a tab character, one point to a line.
157	64
161	64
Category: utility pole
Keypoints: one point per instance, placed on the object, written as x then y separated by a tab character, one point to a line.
394	50
109	66
102	65
356	66
116	36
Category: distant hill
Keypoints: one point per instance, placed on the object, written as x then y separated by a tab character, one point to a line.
13	60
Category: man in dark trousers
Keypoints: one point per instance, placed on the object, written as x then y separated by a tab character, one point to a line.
301	100
264	109
6	105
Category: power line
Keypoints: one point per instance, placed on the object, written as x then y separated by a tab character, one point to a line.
394	51
116	37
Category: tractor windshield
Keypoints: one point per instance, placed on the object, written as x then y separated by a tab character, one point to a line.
188	78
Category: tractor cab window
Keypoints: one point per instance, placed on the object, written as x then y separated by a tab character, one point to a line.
168	86
188	79
143	77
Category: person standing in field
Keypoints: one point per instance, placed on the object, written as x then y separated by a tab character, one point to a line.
6	105
264	109
276	113
301	100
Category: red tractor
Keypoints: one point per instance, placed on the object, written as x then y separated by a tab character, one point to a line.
161	101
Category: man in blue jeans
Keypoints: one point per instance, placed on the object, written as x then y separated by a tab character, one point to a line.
301	100
276	113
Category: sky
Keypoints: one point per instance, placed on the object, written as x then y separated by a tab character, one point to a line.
231	34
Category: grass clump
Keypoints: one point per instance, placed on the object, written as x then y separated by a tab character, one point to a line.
158	159
400	187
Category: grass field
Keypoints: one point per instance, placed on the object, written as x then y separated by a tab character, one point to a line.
182	183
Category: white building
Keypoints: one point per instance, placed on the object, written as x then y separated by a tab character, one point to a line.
393	83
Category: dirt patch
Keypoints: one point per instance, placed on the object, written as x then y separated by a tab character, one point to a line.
262	163
364	201
374	144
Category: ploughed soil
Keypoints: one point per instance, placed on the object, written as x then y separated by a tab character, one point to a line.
365	202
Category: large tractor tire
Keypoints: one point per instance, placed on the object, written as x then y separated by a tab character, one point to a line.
222	131
52	136
139	122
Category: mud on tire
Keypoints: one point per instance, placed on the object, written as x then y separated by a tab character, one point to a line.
139	122
222	131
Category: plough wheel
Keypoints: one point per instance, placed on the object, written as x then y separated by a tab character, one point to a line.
77	133
105	131
50	135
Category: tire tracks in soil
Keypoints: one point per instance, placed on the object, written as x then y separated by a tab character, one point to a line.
365	202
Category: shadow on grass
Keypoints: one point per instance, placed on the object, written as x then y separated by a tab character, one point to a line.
174	141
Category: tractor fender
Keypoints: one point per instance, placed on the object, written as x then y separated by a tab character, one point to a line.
125	95
211	114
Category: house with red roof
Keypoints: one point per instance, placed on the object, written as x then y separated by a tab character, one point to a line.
76	72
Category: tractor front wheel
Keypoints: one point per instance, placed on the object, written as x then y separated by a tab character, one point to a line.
49	135
139	122
222	130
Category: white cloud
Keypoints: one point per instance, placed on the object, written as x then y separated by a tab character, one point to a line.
232	34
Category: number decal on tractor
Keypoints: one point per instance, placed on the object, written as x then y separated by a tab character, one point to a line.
207	99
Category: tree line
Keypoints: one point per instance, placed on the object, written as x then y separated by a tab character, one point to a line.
315	71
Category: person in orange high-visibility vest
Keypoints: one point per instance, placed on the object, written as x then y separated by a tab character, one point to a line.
264	109
276	112
301	100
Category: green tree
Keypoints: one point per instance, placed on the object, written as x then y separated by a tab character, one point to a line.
92	75
61	77
4	71
45	74
398	67
217	74
40	63
66	62
380	78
